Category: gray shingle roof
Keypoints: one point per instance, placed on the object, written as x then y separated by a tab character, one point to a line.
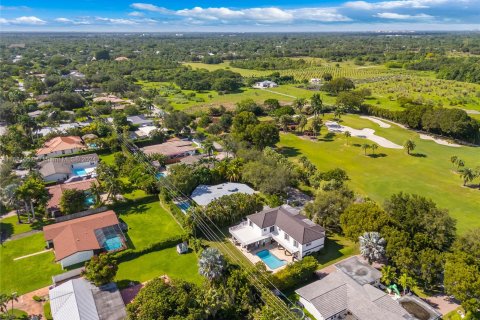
63	165
291	221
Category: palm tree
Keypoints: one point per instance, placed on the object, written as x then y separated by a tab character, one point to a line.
372	246
299	103
467	175
347	135
208	147
460	163
317	104
10	198
453	159
234	171
409	145
29	163
406	282
302	122
337	113
388	275
374	147
316	125
365	147
211	264
284	121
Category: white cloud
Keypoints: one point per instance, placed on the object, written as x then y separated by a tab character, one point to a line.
397	16
3	21
28	20
385	5
149	7
116	21
136	14
64	20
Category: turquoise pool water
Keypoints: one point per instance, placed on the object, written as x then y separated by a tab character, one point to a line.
160	175
79	172
183	206
90	200
113	243
271	260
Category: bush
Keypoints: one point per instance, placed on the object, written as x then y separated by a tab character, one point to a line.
47	312
296	274
131	254
37	298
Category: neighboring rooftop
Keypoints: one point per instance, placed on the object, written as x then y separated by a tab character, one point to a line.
56	191
78	299
139	120
359	271
204	194
170	148
338	292
78	235
291	221
64	165
59	144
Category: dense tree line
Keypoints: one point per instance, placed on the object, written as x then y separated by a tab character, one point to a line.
218	80
459	69
269	64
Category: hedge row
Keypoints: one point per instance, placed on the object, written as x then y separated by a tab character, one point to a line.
130	254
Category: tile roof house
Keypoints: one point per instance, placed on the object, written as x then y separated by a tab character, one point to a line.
61	169
56	192
60	146
77	240
204	194
78	299
350	293
174	149
284	225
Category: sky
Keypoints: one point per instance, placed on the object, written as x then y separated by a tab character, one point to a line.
238	16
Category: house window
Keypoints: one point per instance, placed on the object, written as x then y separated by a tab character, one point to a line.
287	237
250	223
264	229
308	244
295	243
272	229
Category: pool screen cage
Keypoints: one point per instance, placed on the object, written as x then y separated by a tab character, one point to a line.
103	234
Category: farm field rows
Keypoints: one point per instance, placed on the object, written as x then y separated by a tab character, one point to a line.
429	174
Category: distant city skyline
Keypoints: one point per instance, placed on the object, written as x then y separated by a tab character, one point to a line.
242	16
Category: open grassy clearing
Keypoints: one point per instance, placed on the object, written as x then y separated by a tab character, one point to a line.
10	226
430	173
30	273
148	223
158	263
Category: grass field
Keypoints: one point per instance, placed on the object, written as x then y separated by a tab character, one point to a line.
430	173
30	273
10	226
148	223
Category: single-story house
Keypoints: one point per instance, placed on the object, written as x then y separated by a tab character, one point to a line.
316	81
144	132
204	194
78	299
350	292
174	149
78	239
139	120
265	84
283	225
56	192
191	160
61	169
60	146
62	128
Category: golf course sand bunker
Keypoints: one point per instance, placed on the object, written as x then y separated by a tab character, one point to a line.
377	121
439	141
366	133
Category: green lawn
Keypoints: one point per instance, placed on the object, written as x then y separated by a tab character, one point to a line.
430	173
148	223
155	264
336	248
10	226
30	273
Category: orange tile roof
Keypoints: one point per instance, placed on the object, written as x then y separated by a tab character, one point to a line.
61	143
76	235
56	191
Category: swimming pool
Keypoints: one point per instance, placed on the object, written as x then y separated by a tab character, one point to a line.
113	243
160	175
270	259
79	172
90	200
184	205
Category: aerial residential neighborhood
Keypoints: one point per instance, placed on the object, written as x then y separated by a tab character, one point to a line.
247	161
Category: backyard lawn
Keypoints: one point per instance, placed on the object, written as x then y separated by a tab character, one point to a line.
148	223
155	264
29	273
428	172
10	226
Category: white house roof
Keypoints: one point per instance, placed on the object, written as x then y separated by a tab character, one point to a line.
204	194
73	300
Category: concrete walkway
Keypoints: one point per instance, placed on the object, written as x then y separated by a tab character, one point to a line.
23	235
33	254
279	93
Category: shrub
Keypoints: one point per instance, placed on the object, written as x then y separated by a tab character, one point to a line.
296	274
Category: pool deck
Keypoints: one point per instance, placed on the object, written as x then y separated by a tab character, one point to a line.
279	253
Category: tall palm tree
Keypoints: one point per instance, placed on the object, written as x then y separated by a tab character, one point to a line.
208	147
453	159
338	112
29	163
317	105
467	175
299	103
406	282
302	122
374	147
211	264
365	147
460	163
347	135
372	246
9	197
234	171
317	125
409	146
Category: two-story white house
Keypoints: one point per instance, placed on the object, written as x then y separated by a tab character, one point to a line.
283	225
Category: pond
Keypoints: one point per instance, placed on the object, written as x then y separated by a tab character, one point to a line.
416	310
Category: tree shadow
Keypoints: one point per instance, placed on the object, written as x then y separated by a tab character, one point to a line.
6	231
39	224
290	151
418	155
126	283
328	137
358	145
377	155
